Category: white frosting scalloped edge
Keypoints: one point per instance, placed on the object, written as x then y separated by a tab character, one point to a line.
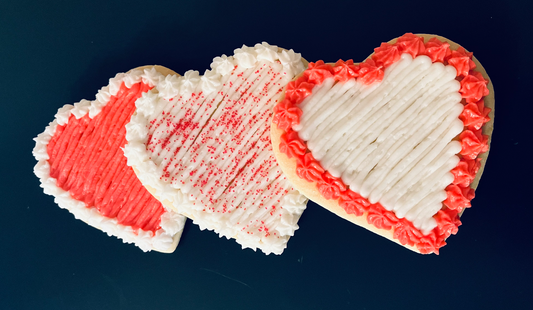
171	223
245	57
293	204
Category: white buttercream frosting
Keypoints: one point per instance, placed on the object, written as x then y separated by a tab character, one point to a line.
132	77
171	223
391	142
63	114
169	86
103	95
189	82
267	52
223	65
245	56
291	61
81	108
210	81
219	125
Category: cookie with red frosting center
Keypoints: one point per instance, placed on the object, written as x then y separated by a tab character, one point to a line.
201	144
81	164
395	144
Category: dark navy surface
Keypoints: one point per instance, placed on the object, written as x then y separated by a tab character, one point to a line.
58	52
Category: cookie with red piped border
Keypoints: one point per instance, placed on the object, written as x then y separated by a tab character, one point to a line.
201	144
81	163
395	144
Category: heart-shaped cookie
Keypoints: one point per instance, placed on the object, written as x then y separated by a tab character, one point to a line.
396	144
201	144
81	164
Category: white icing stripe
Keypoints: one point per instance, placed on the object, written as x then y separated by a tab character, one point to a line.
209	149
205	149
397	121
391	141
230	95
258	131
171	222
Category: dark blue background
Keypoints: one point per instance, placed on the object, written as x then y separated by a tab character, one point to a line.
59	52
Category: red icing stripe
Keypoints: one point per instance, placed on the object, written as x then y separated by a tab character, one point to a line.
86	159
473	90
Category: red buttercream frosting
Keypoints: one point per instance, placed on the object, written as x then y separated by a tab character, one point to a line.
430	243
330	187
297	91
370	72
353	203
462	61
475	114
447	222
474	87
437	50
308	168
386	54
406	233
412	44
292	145
465	172
86	159
286	114
381	218
345	70
473	142
318	72
458	197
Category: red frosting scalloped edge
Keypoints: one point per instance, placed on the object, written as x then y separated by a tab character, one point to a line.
474	116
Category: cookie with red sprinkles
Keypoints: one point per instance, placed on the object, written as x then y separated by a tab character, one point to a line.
396	144
81	163
201	144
